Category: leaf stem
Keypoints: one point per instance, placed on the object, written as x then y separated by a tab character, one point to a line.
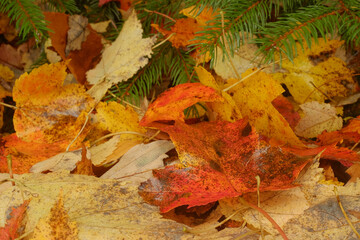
345	215
267	216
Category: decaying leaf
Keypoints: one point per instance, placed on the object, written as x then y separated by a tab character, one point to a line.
318	118
316	74
120	61
219	159
101	208
77	33
242	60
184	31
61	161
56	225
81	60
309	211
117	119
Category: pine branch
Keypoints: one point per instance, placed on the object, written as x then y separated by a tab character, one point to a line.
63	6
303	25
27	16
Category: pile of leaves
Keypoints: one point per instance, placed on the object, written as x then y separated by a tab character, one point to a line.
271	152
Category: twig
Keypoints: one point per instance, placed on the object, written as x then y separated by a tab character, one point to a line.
164	15
9	106
81	130
253	73
267	216
258	203
9	162
345	215
163	41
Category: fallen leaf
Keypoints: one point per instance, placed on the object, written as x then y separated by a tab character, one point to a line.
57	225
354	172
117	119
316	74
140	160
254	97
184	30
47	111
12	229
101	208
318	117
81	60
299	210
84	167
171	103
207	14
120	61
61	161
77	33
285	107
218	159
226	110
242	60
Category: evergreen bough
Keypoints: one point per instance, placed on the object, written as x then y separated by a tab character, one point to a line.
274	25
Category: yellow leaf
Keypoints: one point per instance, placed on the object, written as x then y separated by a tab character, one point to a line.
253	97
49	112
56	225
116	118
316	74
120	61
226	110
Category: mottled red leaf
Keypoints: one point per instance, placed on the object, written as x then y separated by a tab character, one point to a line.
225	158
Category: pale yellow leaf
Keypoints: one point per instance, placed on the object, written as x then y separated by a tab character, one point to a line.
122	59
142	158
101	208
318	117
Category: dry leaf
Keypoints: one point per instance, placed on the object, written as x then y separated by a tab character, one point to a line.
102	208
316	74
141	158
84	167
253	96
56	225
242	60
226	110
115	118
77	33
318	117
61	161
120	61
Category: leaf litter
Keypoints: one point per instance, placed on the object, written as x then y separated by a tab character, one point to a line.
256	144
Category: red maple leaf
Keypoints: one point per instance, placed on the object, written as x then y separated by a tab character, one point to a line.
228	157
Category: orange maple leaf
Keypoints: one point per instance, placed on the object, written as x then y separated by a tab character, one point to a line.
185	30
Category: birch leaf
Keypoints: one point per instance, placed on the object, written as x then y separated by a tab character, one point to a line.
122	59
